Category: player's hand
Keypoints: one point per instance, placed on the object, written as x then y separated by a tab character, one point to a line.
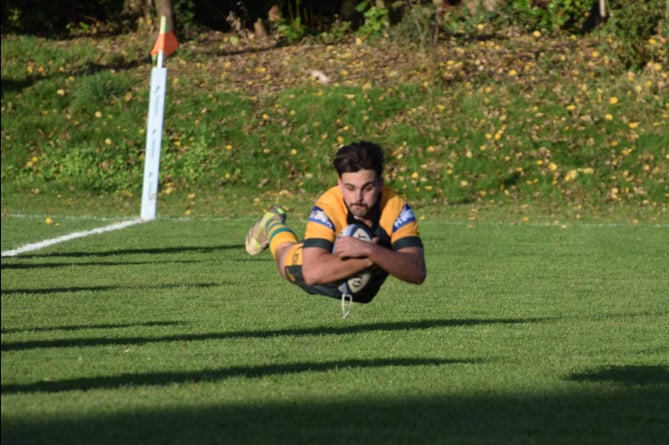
350	247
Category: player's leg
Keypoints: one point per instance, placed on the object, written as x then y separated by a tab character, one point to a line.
282	243
256	238
271	231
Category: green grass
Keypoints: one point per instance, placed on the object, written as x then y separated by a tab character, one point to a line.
537	166
167	332
506	119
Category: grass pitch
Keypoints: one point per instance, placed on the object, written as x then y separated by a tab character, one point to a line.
167	332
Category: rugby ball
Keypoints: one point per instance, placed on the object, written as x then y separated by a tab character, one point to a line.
356	283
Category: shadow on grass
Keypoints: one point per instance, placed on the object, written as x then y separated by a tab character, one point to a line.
618	415
53	290
26	266
215	375
19	262
14	85
105	326
320	330
626	375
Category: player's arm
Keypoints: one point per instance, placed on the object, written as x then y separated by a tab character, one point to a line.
319	266
406	264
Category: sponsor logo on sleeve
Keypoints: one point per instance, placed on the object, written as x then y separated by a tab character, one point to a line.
318	216
406	216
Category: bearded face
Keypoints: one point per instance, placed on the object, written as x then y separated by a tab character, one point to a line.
361	191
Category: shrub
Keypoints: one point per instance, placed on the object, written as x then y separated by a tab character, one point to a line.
633	23
548	16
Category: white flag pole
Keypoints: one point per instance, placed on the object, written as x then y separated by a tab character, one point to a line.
154	135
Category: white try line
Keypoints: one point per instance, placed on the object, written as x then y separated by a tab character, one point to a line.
50	242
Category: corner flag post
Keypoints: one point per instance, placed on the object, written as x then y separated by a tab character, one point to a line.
165	46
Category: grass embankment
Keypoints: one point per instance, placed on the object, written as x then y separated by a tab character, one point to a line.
529	122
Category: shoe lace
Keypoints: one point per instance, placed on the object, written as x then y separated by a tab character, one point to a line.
346	304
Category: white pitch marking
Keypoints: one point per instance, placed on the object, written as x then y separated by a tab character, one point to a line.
50	242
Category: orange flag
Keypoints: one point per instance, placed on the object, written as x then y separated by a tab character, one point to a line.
167	41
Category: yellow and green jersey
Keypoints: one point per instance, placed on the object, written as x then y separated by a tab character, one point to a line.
394	223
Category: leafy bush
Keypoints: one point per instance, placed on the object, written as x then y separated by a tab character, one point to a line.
377	20
633	23
54	17
547	16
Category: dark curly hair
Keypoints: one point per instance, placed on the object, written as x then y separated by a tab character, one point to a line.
357	156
